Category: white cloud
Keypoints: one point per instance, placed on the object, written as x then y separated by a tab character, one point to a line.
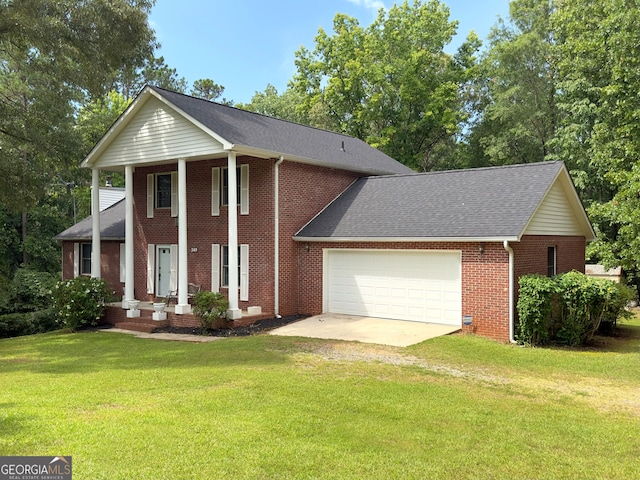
374	5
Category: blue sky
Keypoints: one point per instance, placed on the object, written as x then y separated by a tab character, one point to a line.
246	44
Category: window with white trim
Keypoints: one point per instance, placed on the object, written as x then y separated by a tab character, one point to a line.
220	268
85	259
220	188
162	193
163	190
225	185
224	270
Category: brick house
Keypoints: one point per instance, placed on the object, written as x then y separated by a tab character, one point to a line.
323	222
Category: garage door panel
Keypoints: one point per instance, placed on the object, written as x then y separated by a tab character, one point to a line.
418	286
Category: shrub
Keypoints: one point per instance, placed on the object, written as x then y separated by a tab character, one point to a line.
80	302
27	323
208	307
535	303
32	289
616	308
7	295
568	308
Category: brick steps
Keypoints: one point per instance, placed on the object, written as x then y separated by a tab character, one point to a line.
143	323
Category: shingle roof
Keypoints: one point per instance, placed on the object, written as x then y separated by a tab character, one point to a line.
282	137
112	222
495	202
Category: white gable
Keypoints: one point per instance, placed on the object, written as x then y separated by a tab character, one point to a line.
555	215
156	133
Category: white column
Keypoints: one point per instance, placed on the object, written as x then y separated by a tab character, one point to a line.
234	312
183	269
128	237
95	223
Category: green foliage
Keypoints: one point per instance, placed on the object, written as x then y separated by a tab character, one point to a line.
32	289
535	303
284	106
390	84
207	89
80	301
27	323
568	308
515	89
208	307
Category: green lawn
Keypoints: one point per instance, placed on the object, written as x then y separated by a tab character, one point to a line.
277	407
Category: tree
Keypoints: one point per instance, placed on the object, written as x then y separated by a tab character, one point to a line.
54	55
82	43
514	95
153	71
271	103
209	90
390	84
598	60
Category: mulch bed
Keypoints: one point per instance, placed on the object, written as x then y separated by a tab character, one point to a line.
257	327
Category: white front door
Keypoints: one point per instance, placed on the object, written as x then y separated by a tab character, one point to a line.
163	271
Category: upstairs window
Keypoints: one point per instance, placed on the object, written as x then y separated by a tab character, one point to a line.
163	190
162	193
220	189
225	185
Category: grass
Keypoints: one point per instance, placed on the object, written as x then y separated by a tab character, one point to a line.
278	407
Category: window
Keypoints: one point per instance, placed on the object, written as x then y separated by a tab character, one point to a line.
85	259
220	269
163	190
225	265
225	186
220	188
551	261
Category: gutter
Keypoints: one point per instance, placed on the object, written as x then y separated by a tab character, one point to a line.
276	233
511	315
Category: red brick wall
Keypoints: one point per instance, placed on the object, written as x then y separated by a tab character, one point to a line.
485	280
109	259
304	191
530	256
485	276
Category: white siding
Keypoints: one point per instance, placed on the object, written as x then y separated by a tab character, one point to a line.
554	216
157	133
110	196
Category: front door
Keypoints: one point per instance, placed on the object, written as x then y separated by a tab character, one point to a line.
163	270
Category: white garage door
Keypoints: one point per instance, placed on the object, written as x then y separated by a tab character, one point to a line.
401	285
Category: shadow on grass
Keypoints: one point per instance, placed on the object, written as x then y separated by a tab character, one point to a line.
10	423
624	339
64	352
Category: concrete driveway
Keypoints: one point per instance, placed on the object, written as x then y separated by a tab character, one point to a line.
364	329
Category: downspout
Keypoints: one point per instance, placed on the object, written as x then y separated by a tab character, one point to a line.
276	234
511	315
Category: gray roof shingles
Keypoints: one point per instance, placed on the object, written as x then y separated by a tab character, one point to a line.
494	202
282	137
112	222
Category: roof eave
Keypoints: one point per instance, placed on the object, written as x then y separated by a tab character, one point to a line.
88	239
407	239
